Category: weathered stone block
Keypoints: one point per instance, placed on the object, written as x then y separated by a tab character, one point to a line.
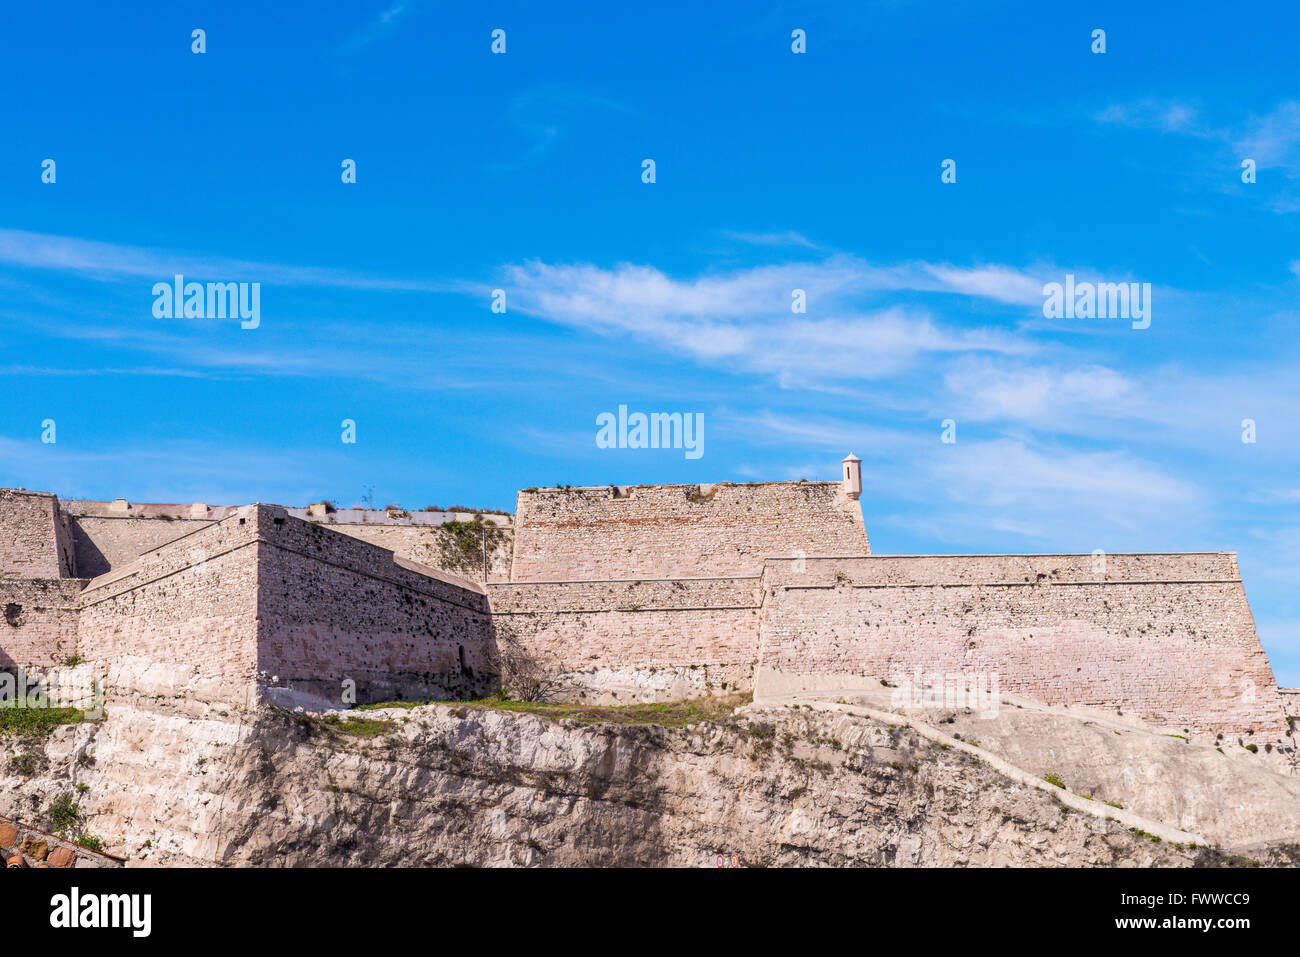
62	857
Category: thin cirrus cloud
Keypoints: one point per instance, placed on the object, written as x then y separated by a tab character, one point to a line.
1056	494
1168	116
746	316
1272	139
541	118
787	238
104	261
379	27
1045	492
1041	394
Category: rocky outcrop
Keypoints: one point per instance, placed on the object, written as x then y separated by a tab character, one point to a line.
460	785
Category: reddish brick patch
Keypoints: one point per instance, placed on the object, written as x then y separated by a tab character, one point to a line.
62	857
8	835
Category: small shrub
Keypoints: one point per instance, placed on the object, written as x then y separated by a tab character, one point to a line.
65	812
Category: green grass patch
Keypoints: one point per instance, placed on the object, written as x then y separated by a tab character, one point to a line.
16	717
668	714
1054	779
407	705
358	727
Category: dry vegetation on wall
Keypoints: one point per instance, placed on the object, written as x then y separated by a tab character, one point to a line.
464	546
524	672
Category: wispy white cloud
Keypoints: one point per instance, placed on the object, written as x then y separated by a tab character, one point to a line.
745	316
1273	140
380	26
51	371
787	238
999	283
819	432
1008	472
1031	492
112	262
1168	116
1040	394
545	115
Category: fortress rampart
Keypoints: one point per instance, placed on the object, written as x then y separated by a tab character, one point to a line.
36	538
618	594
40	620
633	640
261	604
1169	637
679	531
111	534
184	614
332	608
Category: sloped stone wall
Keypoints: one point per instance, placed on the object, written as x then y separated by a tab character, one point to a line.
184	614
424	544
22	845
1169	637
105	542
333	608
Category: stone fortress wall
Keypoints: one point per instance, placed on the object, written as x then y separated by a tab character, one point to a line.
648	639
181	617
1167	637
263	606
35	540
40	620
679	531
38	596
335	609
110	534
622	594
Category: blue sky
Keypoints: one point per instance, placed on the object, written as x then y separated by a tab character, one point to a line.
775	171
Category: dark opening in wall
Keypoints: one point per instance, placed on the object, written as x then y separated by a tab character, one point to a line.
13	614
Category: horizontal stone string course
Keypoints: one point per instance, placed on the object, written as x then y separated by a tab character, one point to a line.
1021	584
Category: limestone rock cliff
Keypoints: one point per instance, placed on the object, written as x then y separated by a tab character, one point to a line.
463	785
